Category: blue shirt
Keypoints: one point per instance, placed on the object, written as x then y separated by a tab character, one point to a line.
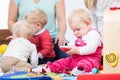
48	6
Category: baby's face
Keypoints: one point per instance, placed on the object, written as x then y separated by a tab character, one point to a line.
37	25
79	27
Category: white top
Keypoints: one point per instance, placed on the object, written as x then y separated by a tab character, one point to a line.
92	40
101	6
98	11
22	49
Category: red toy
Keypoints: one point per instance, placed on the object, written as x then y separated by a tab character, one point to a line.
114	8
101	67
64	48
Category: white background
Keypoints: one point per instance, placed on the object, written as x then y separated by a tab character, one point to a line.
4	4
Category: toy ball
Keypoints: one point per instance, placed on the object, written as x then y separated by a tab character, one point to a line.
95	70
101	67
3	48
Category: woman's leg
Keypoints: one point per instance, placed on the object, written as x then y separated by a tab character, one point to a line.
59	54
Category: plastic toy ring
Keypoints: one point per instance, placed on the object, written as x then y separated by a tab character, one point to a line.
112	59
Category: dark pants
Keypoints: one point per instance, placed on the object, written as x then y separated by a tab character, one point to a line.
45	60
59	54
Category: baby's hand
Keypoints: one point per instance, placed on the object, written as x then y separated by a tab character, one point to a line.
73	50
9	37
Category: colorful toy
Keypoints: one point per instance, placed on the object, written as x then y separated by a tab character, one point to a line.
3	48
114	8
95	70
112	58
101	67
64	48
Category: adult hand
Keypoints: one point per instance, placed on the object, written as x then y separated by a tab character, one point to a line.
60	39
9	37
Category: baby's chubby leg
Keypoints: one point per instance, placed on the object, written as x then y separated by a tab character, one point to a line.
84	66
57	66
60	65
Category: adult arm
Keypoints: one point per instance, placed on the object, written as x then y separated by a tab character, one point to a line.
60	14
12	14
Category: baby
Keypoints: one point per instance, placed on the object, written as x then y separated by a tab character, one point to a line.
20	49
42	39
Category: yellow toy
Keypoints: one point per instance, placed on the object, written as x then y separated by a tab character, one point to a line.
3	48
112	58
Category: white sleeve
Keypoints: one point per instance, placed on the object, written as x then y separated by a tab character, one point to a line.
40	55
93	40
34	57
116	3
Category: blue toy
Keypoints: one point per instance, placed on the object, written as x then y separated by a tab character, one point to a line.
95	70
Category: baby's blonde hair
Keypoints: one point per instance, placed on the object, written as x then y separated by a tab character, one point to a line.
37	16
23	29
80	14
90	3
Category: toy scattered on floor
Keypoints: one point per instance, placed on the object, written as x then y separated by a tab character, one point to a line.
95	70
66	75
112	58
3	48
101	67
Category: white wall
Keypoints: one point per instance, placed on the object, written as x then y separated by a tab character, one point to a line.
3	13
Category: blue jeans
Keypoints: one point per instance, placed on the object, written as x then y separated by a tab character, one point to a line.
59	54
